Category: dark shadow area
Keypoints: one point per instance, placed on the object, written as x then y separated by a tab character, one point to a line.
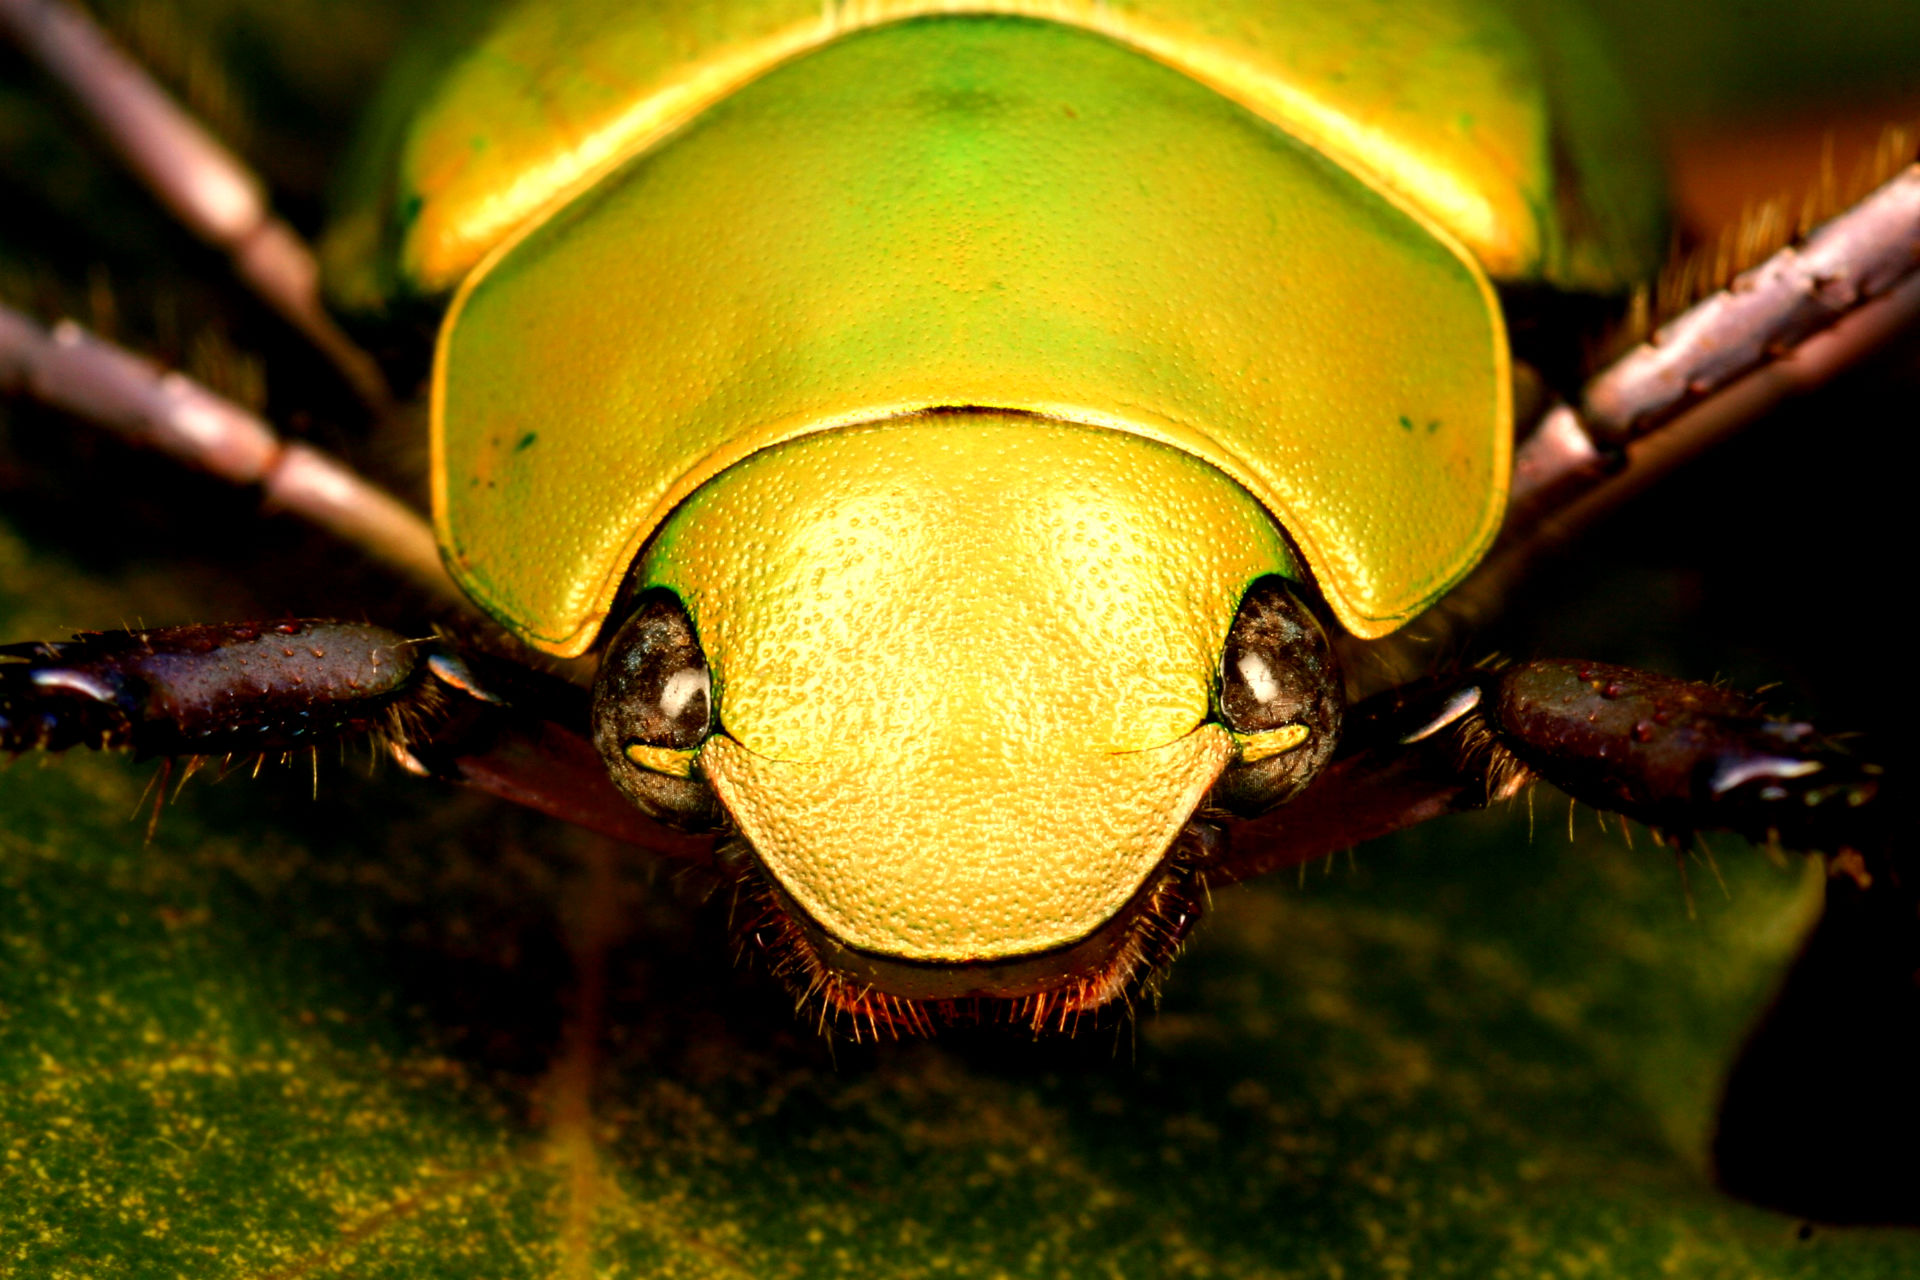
1822	1112
1771	563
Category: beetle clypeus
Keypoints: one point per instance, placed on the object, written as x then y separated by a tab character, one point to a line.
846	488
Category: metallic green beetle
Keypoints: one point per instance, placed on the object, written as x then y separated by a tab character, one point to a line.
956	434
960	368
971	603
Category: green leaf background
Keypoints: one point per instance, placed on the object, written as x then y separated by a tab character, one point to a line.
342	1023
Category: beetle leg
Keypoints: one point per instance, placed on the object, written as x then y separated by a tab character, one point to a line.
226	689
202	184
1681	756
261	688
1676	755
522	735
74	371
1765	315
1783	327
1406	756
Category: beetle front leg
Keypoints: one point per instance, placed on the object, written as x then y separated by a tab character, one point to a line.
224	689
1681	756
253	689
1676	755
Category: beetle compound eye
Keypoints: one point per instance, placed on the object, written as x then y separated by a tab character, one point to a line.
653	689
1280	697
652	708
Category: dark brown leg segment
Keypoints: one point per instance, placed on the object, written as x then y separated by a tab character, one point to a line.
1824	1090
252	689
1678	756
227	689
1684	757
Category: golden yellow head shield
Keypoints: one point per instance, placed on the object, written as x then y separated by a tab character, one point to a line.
964	666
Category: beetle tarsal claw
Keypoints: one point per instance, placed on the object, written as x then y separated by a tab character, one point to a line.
405	758
1456	706
451	671
668	760
1249	747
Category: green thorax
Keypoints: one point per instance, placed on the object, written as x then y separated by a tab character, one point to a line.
971	212
1260	235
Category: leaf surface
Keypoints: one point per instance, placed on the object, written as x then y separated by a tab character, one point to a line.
393	1032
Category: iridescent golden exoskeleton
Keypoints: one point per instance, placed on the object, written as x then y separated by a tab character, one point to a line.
959	368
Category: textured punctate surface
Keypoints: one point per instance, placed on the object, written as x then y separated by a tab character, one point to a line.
965	666
984	212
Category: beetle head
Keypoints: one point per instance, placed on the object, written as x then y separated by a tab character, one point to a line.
961	681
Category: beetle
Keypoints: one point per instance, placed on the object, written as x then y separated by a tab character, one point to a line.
655	703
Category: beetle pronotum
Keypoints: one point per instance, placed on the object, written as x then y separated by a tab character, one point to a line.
1243	691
